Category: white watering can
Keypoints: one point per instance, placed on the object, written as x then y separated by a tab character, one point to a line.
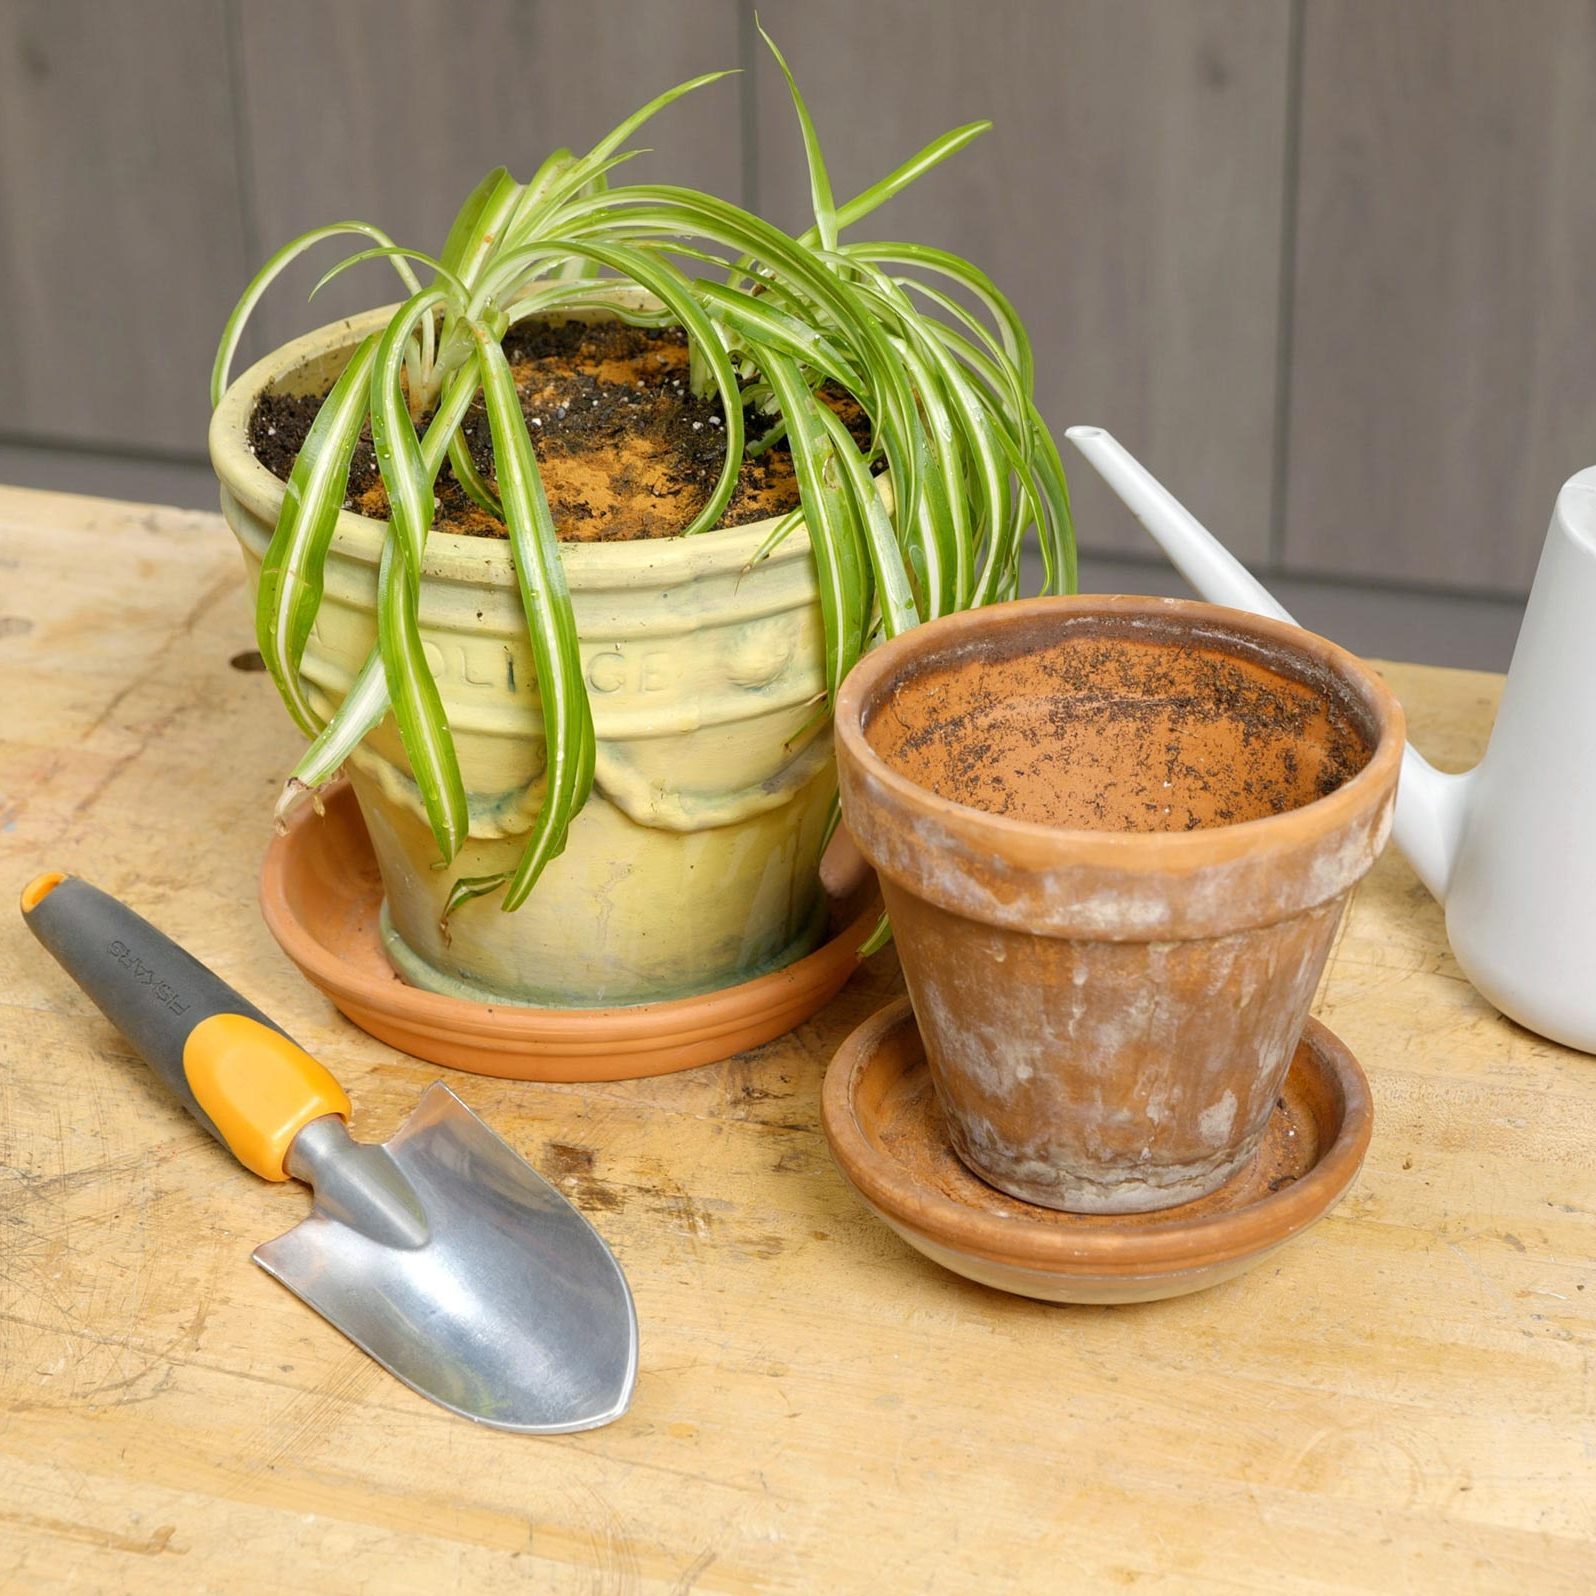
1510	847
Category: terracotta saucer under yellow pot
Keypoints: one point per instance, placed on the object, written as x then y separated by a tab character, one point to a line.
321	895
889	1138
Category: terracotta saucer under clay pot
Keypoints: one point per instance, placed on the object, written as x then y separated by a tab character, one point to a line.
321	896
889	1138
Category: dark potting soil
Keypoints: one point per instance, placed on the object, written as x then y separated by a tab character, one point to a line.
1115	733
624	447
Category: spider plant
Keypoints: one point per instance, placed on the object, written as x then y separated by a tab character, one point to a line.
923	341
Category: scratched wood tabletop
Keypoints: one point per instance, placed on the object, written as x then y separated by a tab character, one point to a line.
1403	1400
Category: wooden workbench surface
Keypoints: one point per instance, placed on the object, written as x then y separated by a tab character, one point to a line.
1404	1400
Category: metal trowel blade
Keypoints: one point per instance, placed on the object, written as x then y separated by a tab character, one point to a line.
506	1306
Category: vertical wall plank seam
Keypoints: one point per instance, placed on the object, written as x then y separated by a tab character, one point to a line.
748	89
1285	313
243	151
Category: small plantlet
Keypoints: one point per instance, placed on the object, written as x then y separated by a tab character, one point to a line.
925	344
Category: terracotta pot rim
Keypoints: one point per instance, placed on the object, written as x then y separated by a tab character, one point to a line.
453	555
1144	1244
1038	845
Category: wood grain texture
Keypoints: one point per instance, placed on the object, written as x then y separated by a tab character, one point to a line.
1128	200
392	112
1442	386
1401	1400
121	240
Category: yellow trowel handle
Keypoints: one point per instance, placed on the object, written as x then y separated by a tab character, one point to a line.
244	1079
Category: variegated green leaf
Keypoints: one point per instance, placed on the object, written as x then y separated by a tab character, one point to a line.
477	487
820	199
833	532
937	151
417	705
292	571
393	434
361	711
233	331
893	594
477	224
390	252
551	625
418	708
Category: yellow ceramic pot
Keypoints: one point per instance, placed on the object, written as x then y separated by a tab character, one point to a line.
694	865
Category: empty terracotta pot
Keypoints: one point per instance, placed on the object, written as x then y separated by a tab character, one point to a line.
1115	836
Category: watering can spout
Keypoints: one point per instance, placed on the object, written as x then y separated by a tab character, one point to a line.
1431	805
1193	550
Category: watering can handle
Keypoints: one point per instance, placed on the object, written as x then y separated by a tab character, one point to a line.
242	1077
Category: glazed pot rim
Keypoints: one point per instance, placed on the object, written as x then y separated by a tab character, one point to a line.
1145	1244
1036	844
459	556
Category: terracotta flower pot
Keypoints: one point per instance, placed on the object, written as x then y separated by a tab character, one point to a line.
1115	836
694	865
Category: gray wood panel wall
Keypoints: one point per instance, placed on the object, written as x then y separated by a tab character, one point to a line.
1329	265
1128	199
122	238
505	83
1443	372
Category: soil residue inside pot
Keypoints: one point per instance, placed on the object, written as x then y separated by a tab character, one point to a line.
1110	733
626	450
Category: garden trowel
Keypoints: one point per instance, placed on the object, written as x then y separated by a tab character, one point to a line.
441	1252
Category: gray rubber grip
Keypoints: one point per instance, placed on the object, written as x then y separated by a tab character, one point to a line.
150	989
